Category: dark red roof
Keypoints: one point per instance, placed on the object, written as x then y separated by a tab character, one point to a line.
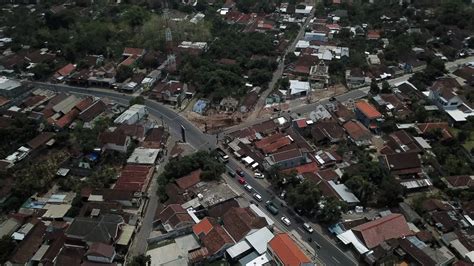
134	178
93	111
84	104
66	70
101	250
40	140
216	239
30	245
189	180
240	221
67	119
460	180
368	110
116	137
375	232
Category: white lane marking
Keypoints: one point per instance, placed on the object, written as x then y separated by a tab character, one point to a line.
338	262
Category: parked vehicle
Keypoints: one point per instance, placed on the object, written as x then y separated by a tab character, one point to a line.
285	220
248	187
240	172
258	175
257	196
223	157
271	207
242	181
231	174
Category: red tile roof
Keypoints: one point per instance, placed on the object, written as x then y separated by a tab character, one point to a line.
301	123
84	104
217	239
240	221
134	178
41	139
204	226
287	155
375	232
461	180
443	126
66	70
357	131
116	137
368	110
287	251
93	111
133	51
67	119
305	168
175	215
189	180
101	250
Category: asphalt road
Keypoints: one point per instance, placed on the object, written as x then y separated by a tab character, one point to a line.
327	253
325	250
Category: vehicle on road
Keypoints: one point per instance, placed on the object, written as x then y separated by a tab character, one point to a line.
283	194
223	157
240	172
285	220
231	174
271	207
257	196
242	181
308	228
248	187
258	175
332	99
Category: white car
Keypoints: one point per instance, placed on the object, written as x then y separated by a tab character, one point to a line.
257	196
258	175
248	187
308	228
285	220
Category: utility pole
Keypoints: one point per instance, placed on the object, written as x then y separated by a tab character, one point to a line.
183	134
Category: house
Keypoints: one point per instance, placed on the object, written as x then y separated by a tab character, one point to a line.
174	217
459	181
239	222
135	131
426	128
400	141
39	141
88	230
29	245
93	111
372	234
319	75
64	72
134	177
326	159
356	77
144	156
155	138
444	94
284	251
287	159
189	180
368	115
11	88
115	140
324	132
101	253
373	34
171	92
373	59
132	115
298	88
213	237
404	164
358	133
273	143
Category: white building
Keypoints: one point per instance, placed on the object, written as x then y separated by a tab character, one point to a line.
134	114
299	88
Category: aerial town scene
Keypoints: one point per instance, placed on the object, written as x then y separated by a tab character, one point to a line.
236	132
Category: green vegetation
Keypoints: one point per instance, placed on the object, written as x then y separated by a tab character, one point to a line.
304	196
140	260
7	246
212	169
18	132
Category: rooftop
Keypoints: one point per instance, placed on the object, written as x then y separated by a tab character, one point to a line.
287	250
143	156
368	110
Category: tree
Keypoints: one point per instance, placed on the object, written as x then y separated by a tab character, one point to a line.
140	260
284	83
137	100
7	245
374	87
331	211
361	187
304	196
385	87
390	192
123	73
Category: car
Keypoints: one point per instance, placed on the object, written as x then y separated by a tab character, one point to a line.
308	228
258	175
257	196
240	172
242	181
285	220
231	174
283	194
248	187
271	207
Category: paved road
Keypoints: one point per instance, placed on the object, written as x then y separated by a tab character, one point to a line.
278	72
201	141
325	250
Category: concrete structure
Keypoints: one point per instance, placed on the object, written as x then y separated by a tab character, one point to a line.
134	114
10	88
143	156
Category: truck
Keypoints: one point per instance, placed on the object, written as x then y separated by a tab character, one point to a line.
271	207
